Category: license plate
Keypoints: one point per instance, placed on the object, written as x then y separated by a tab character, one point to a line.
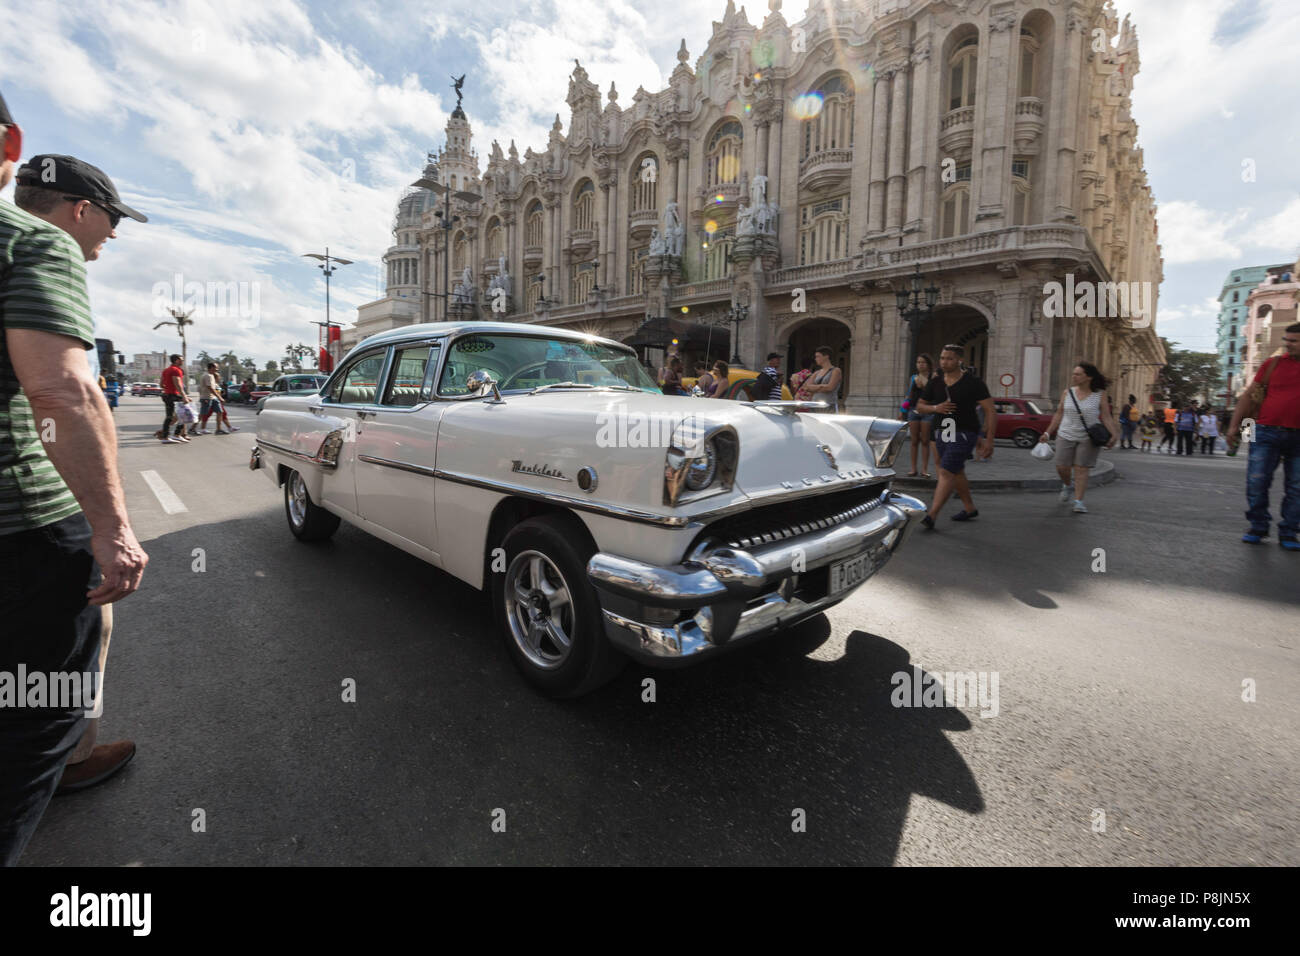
849	573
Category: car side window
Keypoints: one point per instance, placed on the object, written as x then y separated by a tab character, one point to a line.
1004	408
409	382
357	385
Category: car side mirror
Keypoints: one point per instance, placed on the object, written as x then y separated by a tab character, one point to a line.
479	382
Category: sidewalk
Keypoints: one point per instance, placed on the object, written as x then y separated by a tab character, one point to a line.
1010	469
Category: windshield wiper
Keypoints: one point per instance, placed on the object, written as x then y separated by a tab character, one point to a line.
542	388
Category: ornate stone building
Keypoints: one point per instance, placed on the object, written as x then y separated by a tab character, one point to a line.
806	171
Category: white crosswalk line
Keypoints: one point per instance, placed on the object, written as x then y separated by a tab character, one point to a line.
169	500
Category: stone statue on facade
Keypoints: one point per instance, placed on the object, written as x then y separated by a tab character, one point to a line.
758	191
463	294
674	235
745	221
502	279
657	245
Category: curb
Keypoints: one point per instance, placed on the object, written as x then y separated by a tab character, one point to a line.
1102	474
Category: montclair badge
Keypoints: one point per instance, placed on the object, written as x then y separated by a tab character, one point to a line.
541	471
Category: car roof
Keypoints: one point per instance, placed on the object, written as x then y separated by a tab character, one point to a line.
434	329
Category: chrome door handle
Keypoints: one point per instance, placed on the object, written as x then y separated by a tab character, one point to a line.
362	413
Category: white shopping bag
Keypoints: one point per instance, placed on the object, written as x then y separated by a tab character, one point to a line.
187	414
1043	451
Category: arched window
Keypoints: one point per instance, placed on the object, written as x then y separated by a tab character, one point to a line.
832	127
645	183
582	279
824	231
954	211
534	293
722	157
533	226
460	253
1028	59
635	278
495	239
717	257
584	206
1021	191
961	74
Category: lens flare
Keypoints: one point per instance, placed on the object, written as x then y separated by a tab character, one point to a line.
807	106
711	227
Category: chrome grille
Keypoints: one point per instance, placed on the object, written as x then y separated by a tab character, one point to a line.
770	523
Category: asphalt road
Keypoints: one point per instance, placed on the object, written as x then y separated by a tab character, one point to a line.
1118	691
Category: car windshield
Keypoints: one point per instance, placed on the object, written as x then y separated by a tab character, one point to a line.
525	362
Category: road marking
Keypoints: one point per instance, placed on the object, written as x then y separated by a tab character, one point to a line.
169	500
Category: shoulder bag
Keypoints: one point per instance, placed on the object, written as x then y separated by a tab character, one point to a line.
1097	432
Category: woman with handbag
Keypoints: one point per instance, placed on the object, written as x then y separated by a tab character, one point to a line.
1084	422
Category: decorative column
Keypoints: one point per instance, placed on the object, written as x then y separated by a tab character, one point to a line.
879	142
897	149
998	74
922	134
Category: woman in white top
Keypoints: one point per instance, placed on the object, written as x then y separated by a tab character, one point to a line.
1207	427
824	384
1084	403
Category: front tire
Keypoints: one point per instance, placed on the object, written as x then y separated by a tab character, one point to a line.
1025	437
547	612
307	520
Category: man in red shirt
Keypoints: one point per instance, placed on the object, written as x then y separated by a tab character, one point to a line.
173	386
1276	438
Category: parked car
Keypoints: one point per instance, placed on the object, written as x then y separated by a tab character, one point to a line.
606	519
1020	420
740	381
298	382
150	388
135	387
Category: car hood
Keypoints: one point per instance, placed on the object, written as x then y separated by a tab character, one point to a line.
541	441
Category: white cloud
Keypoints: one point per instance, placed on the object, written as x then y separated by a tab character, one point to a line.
1191	233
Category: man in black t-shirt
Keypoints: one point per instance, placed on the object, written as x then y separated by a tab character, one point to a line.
955	396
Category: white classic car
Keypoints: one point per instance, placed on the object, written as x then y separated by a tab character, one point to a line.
606	519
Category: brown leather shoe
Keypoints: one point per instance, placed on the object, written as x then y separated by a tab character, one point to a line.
104	761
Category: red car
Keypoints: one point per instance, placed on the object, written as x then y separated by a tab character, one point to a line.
1020	420
150	388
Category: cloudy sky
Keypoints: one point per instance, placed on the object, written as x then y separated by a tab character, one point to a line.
252	131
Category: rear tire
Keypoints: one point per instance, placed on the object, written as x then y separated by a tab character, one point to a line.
307	520
547	612
1025	437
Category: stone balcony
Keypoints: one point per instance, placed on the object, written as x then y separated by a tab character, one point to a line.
730	194
581	242
1029	123
641	222
826	168
532	256
957	129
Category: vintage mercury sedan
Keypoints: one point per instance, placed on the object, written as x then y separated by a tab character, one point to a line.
604	518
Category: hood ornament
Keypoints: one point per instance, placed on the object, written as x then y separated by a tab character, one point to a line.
825	449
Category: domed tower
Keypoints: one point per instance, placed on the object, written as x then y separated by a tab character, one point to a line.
457	161
403	257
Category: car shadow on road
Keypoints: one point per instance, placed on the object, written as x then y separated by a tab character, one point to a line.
234	683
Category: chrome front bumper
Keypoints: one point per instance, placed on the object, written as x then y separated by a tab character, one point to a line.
720	594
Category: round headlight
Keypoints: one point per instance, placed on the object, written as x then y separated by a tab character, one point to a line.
702	471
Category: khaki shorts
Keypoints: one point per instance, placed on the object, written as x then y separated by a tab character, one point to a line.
1081	453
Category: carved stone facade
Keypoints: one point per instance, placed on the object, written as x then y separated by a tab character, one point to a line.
821	163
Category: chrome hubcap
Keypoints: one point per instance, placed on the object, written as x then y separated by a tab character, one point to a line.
539	609
297	500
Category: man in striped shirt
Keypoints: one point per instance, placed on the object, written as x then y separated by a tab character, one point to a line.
66	544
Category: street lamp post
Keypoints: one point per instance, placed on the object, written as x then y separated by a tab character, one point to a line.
909	307
328	265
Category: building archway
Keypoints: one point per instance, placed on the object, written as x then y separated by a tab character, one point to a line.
956	325
804	339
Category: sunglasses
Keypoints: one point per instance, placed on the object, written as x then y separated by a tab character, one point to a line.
113	217
13	142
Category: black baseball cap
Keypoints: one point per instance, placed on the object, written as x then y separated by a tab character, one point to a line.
75	177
